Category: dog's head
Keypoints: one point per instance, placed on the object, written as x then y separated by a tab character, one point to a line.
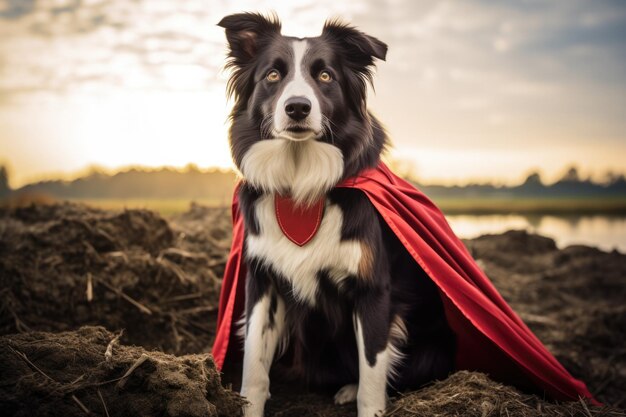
300	104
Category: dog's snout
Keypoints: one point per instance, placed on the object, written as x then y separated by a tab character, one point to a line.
298	108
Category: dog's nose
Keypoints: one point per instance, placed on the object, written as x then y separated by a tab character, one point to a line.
298	107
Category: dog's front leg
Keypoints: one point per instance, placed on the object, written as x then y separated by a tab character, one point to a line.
375	354
265	322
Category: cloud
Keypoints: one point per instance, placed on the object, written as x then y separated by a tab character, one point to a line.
66	46
13	9
460	74
477	72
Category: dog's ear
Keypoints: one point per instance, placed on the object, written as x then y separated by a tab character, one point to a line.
244	32
360	49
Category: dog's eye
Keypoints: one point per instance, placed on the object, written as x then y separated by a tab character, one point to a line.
273	76
325	77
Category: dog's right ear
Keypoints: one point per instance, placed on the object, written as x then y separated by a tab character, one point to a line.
244	32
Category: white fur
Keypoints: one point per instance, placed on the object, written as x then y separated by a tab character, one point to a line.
398	337
306	170
298	86
372	392
260	347
346	394
299	265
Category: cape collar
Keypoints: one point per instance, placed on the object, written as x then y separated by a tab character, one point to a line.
298	223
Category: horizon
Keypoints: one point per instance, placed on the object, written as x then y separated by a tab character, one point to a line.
402	169
471	92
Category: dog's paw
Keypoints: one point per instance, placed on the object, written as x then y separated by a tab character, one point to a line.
253	410
370	412
346	394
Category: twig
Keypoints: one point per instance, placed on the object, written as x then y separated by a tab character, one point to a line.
603	385
393	410
216	262
176	335
106	235
196	310
182	253
173	268
118	254
108	353
76	381
212	274
91	250
8	300
119	292
19	324
184	297
81	405
135	365
89	291
25	359
103	403
187	333
201	327
582	401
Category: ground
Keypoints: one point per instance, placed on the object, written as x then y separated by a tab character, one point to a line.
65	266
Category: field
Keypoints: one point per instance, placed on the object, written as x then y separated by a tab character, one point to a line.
164	207
556	206
72	277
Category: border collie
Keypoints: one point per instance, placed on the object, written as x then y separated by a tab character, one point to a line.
350	309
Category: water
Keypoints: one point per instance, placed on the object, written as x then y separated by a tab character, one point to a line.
605	232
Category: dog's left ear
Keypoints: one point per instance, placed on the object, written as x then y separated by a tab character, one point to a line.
244	32
361	49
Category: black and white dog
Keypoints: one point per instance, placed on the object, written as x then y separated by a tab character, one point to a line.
350	308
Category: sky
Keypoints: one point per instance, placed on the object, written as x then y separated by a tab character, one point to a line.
472	90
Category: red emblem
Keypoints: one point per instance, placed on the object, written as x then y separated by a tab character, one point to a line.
298	223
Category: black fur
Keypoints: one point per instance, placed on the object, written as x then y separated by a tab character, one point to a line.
322	348
348	53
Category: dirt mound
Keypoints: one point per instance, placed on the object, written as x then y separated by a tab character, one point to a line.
474	394
572	299
67	265
509	250
87	372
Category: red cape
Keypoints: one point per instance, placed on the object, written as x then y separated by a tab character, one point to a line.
491	338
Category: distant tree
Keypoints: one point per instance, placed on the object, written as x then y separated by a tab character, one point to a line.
191	167
571	175
4	181
533	178
611	177
95	171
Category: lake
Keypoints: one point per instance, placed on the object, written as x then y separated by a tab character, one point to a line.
604	232
607	232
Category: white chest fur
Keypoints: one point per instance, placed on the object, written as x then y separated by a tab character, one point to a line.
300	265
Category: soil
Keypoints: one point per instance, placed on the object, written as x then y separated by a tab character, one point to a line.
71	373
65	266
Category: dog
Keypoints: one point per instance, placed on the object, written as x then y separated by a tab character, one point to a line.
349	309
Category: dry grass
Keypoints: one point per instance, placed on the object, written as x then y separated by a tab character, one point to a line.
472	394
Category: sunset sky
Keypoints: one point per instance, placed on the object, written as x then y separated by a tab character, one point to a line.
471	90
